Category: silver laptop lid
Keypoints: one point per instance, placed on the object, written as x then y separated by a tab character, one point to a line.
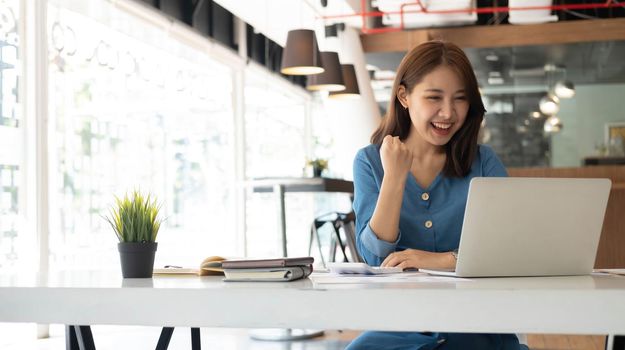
531	226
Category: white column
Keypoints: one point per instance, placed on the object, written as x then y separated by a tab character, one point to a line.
35	55
238	88
354	120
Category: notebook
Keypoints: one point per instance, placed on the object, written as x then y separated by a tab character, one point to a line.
530	227
260	263
268	270
268	274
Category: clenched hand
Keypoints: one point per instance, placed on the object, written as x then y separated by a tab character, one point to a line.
396	157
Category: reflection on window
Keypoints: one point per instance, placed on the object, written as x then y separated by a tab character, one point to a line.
275	147
11	135
275	129
275	133
322	134
132	108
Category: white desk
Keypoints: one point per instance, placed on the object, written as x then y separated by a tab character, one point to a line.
570	305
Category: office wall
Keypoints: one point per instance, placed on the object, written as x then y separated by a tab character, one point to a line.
584	118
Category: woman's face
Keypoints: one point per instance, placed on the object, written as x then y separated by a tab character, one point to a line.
438	106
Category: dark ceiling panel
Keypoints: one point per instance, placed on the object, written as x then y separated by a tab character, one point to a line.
585	63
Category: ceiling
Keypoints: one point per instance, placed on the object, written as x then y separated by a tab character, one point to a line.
274	18
522	68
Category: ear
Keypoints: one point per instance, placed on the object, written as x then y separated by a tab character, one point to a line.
402	96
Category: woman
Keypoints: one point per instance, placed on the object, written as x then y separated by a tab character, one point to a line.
411	183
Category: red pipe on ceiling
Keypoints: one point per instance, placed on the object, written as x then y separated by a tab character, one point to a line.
422	9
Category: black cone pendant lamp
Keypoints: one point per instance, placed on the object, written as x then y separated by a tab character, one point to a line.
332	77
351	84
301	54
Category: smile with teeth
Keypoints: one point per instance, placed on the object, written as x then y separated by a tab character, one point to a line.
442	126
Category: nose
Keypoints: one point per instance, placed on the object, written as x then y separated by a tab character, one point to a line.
447	109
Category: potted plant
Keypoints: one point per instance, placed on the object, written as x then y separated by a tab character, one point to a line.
318	165
135	222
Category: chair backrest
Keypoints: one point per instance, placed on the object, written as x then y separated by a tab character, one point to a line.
347	222
342	236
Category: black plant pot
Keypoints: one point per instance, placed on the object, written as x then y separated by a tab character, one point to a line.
137	259
317	171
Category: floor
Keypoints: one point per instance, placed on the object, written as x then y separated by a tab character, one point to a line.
552	341
128	337
136	338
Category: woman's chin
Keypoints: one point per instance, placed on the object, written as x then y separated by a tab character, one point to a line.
440	139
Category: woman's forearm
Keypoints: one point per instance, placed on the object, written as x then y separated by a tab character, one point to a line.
385	219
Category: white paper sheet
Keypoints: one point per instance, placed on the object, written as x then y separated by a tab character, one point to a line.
620	272
406	277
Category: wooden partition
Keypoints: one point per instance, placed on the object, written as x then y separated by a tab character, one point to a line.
611	252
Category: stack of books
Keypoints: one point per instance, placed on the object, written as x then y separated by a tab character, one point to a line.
281	269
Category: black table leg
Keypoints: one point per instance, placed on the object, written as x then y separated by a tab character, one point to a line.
163	340
195	339
78	338
71	343
619	342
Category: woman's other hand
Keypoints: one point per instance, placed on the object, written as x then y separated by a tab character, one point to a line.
414	258
396	157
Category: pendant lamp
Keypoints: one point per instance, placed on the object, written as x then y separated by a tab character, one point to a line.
332	77
553	124
351	84
564	89
549	105
301	54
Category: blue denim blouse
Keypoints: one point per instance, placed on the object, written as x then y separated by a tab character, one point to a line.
429	222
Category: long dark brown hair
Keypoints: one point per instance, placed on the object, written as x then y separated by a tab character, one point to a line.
420	61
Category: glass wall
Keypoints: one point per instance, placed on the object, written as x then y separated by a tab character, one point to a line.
12	177
283	130
134	108
276	140
133	104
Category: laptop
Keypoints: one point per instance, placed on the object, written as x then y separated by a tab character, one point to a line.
530	227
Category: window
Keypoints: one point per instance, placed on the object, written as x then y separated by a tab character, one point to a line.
12	177
133	108
275	131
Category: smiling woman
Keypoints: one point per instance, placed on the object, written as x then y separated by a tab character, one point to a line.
437	107
444	63
411	183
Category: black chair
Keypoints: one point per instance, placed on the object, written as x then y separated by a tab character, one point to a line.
342	236
618	342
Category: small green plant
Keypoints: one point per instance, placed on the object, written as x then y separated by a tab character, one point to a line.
319	163
135	218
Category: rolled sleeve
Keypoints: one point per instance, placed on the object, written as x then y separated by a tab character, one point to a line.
379	248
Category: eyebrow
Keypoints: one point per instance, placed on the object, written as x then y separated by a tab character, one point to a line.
441	91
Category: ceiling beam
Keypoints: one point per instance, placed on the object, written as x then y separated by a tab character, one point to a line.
504	35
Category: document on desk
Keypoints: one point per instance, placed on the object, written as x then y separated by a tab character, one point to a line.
402	277
619	272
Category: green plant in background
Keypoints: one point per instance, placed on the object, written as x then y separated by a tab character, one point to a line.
319	163
135	218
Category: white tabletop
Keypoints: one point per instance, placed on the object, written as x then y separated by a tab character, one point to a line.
571	305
